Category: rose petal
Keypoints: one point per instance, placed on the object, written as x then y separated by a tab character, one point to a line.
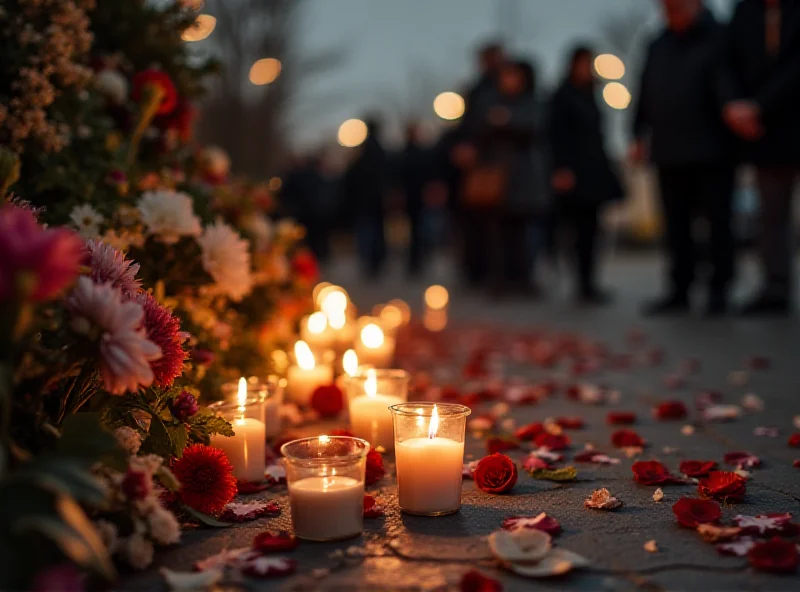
739	548
601	499
765	524
190	581
558	562
372	509
712	533
542	522
522	545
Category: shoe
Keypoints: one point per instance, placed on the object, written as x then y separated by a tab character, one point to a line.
594	297
717	305
672	304
764	305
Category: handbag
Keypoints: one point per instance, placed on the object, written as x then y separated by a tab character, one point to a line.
485	186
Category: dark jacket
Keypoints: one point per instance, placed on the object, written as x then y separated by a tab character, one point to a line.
365	180
772	81
577	144
414	171
684	86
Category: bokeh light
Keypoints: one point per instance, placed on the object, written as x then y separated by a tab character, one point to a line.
616	95
436	297
372	336
609	66
404	308
265	71
391	316
203	26
449	105
352	133
275	184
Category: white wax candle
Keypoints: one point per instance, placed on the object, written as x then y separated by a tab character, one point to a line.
272	416
302	382
429	475
246	449
380	356
371	420
327	508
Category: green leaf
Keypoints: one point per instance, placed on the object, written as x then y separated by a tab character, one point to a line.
205	518
159	441
84	438
61	476
179	437
562	474
205	423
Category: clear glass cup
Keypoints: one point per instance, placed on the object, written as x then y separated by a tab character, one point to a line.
269	392
429	456
246	449
325	477
370	393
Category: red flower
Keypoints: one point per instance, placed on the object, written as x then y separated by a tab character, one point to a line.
529	432
494	445
375	470
496	474
202	357
156	78
697	468
794	440
327	400
723	485
652	472
552	441
136	485
274	542
570	423
475	581
163	329
670	410
620	417
626	439
372	509
305	266
206	478
692	512
775	555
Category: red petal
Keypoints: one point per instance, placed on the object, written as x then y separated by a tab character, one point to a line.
475	581
274	542
372	509
620	417
696	468
690	512
775	555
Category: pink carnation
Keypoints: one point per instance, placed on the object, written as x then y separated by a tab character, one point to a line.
45	261
163	329
109	265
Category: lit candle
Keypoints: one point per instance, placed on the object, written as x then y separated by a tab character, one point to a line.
349	368
316	332
374	347
429	468
305	376
343	329
370	417
246	449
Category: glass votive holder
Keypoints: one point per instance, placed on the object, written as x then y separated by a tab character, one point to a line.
325	477
429	455
370	394
246	449
269	392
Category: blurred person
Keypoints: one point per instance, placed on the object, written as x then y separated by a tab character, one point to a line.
684	85
364	185
764	52
415	173
583	179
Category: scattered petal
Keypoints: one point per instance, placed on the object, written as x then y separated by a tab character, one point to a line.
766	432
542	522
651	546
724	486
372	509
722	412
475	581
191	581
522	545
739	377
652	472
658	495
794	440
592	456
669	410
244	512
275	473
775	555
494	445
625	438
769	524
551	441
752	402
712	533
692	512
601	499
697	468
547	455
468	470
534	463
268	567
562	474
274	542
556	563
739	548
222	559
742	460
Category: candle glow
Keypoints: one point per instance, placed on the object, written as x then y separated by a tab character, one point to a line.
371	384
372	336
350	362
241	395
304	355
317	323
433	426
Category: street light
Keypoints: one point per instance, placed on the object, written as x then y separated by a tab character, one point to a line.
202	27
609	66
265	71
449	105
352	133
616	95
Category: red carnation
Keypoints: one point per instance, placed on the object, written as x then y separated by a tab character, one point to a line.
723	485
775	555
159	80
529	432
570	423
552	441
670	410
697	468
794	440
626	439
327	400
305	266
692	512
274	542
496	474
494	445
652	472
163	329
475	581
206	478
375	470
620	417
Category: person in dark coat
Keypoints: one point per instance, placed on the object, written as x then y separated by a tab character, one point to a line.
415	172
764	53
684	86
583	179
364	185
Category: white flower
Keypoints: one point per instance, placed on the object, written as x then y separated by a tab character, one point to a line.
87	220
169	215
138	551
226	257
150	463
113	85
164	527
129	439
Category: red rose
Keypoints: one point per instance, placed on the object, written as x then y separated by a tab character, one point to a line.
475	581
274	542
723	485
156	78
327	400
794	440
697	468
375	470
305	266
626	439
529	432
774	555
551	441
570	423
692	512
620	417
652	472
496	474
670	410
494	445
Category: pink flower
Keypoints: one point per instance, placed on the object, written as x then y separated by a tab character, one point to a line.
108	265
163	329
125	351
44	261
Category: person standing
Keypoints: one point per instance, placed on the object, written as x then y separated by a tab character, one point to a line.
764	52
684	85
415	173
583	179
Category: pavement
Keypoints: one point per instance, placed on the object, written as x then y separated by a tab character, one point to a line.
404	552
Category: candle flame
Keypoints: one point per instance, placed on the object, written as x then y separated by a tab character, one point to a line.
324	439
304	355
433	426
333	300
317	323
350	362
337	319
241	395
371	384
372	336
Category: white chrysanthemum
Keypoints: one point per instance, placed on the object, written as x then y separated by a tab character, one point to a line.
113	85
260	228
87	220
168	215
164	527
138	551
129	439
226	257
